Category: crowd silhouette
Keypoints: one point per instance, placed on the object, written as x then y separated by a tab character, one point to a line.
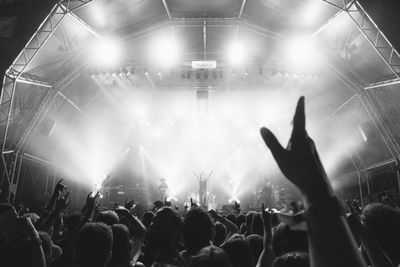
323	232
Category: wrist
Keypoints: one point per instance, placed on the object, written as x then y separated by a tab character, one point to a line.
318	193
326	205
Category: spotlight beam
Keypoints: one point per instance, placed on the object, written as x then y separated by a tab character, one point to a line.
74	105
167	9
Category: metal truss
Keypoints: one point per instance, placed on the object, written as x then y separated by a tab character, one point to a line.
391	58
383	84
374	36
15	73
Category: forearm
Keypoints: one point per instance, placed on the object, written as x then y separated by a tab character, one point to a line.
38	258
138	228
47	224
230	226
330	240
51	205
266	258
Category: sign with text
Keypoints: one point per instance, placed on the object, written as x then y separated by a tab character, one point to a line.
204	64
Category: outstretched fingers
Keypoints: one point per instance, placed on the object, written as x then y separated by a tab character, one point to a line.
299	120
273	144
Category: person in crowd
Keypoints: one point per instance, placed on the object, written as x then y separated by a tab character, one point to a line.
164	239
257	225
147	219
210	256
198	231
220	234
114	238
240	220
330	240
249	220
287	240
123	250
108	217
383	223
255	243
94	247
292	259
238	251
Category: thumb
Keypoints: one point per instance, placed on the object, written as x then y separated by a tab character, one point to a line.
272	143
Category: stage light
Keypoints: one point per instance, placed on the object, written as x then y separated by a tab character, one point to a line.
189	74
172	198
234	199
362	133
215	75
302	51
104	52
311	13
236	53
165	51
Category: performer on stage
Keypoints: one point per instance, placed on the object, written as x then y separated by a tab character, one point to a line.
203	188
266	195
163	188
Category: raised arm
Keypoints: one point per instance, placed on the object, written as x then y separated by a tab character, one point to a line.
330	240
138	228
267	255
58	190
195	175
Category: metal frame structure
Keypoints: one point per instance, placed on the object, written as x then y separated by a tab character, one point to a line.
13	156
14	74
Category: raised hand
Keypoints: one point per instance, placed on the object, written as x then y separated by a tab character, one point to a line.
91	200
59	187
299	162
266	219
62	203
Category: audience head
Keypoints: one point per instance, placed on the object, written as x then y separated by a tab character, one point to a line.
94	245
72	220
292	259
122	247
256	245
147	219
383	222
210	256
238	251
257	226
249	220
108	217
198	229
158	204
165	229
240	219
286	240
